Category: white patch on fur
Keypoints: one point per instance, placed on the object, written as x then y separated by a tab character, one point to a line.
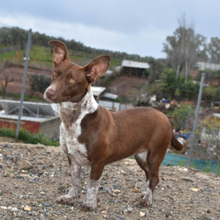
142	156
148	195
92	191
69	136
75	182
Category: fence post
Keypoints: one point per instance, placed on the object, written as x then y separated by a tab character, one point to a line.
24	82
196	119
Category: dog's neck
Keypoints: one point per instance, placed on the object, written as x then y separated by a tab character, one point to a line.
74	112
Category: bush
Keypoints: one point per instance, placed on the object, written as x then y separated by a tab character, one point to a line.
39	83
173	88
184	117
27	137
211	93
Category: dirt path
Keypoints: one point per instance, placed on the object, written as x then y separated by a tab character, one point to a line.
182	193
127	86
17	73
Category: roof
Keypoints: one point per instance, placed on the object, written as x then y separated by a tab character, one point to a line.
109	72
134	64
23	118
110	96
97	90
110	105
204	65
34	109
217	115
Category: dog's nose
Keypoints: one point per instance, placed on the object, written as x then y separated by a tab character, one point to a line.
51	94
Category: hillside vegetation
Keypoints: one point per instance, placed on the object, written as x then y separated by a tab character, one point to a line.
13	41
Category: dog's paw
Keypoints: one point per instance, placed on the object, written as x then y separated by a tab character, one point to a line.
88	207
66	200
145	200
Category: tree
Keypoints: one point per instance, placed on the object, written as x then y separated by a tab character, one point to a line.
156	68
6	77
214	50
183	48
18	36
5	37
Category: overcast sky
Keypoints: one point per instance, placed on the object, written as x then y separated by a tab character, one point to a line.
132	26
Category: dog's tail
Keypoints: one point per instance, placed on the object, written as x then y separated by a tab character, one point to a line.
176	144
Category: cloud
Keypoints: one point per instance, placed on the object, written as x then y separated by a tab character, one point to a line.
138	27
137	43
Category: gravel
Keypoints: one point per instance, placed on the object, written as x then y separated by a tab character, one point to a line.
33	176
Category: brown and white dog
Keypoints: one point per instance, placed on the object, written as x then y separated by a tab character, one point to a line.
92	136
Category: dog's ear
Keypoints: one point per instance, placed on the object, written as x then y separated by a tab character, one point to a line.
97	67
60	52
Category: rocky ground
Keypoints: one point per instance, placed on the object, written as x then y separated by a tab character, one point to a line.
33	176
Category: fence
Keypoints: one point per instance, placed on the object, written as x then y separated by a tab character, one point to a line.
204	165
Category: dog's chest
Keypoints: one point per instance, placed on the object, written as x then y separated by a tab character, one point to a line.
75	150
71	146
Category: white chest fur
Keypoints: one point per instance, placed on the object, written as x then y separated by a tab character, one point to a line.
69	135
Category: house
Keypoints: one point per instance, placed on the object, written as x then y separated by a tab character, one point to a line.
36	117
205	65
133	68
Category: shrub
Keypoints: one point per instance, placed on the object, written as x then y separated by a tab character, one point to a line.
27	137
173	88
39	83
184	117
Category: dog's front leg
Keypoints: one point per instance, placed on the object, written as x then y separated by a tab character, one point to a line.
93	186
73	193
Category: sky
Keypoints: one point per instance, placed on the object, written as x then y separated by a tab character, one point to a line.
131	26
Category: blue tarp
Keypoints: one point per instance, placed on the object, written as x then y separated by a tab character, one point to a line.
204	165
186	136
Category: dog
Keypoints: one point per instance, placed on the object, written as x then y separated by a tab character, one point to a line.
90	135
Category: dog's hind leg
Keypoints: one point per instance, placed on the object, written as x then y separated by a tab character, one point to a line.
141	159
73	193
150	162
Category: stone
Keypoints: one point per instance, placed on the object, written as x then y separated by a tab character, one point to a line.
116	191
6	146
27	208
188	179
135	190
130	209
4	207
40	162
26	165
40	146
141	214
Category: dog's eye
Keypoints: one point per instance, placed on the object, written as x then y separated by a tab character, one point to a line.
54	73
72	80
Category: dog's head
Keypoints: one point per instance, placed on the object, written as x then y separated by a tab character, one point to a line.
70	82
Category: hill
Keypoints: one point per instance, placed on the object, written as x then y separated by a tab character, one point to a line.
13	40
29	190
